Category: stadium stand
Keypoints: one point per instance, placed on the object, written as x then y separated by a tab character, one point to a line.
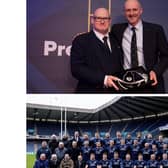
149	125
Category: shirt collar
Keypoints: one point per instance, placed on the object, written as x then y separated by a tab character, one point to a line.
100	35
137	26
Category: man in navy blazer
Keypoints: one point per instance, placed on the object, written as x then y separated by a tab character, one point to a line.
152	46
96	58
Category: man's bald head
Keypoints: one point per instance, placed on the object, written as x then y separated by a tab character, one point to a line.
101	11
133	1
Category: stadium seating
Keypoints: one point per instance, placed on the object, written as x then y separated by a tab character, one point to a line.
48	128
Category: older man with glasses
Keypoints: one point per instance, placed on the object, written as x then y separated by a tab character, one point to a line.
96	58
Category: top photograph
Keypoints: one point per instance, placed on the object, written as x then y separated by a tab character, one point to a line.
96	47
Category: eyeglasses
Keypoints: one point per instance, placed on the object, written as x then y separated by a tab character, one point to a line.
99	19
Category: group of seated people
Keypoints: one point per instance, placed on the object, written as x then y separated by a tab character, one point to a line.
107	152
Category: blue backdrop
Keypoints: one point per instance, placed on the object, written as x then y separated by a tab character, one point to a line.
51	26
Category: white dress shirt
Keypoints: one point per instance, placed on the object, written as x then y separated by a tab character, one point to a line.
126	45
100	37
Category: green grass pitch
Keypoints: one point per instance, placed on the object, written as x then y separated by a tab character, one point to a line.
30	159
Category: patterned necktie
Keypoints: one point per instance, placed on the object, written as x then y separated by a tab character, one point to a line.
134	55
105	42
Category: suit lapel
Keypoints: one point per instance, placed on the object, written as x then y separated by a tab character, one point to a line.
102	54
101	44
116	49
120	37
146	41
121	33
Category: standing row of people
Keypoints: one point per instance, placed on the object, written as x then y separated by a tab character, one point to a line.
82	147
104	162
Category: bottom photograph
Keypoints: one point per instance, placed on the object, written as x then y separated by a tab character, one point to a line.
96	131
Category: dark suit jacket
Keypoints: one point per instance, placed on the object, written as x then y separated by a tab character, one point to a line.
79	142
83	163
155	48
91	61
